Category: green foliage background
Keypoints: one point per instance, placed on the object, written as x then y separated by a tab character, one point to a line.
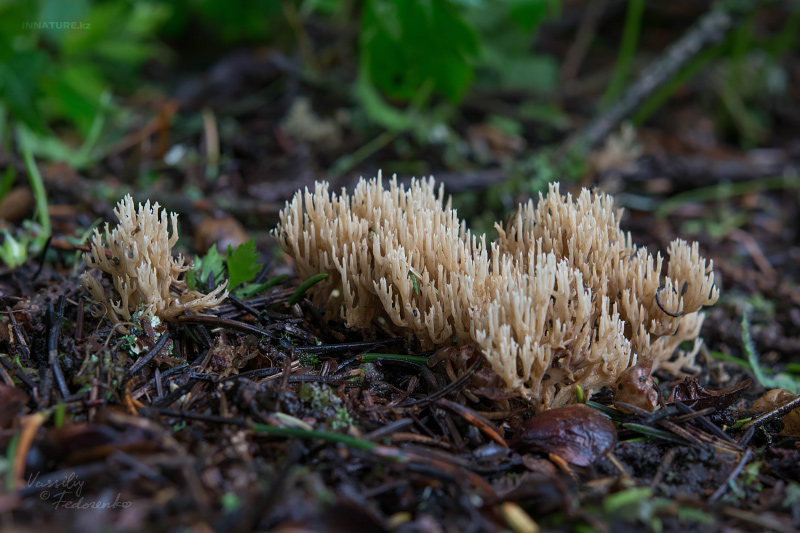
406	68
67	81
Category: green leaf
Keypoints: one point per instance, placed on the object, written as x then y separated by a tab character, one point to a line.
239	20
14	252
507	31
517	69
60	11
19	86
243	264
404	44
529	14
204	267
120	36
249	291
376	108
76	94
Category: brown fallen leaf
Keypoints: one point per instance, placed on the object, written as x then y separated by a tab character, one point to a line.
85	442
577	433
491	142
636	386
225	231
691	393
16	204
775	398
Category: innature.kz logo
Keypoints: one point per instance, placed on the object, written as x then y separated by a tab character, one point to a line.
56	26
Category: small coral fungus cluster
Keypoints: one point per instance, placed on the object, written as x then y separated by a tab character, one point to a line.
561	298
146	277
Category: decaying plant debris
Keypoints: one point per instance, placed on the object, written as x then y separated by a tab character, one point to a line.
562	298
268	416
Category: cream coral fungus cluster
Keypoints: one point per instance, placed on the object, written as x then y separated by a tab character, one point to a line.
138	256
561	298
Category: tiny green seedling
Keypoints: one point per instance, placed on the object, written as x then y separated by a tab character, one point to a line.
204	267
241	266
14	252
415	277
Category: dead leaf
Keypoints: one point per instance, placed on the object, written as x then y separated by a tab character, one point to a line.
636	386
577	433
81	443
773	399
491	142
16	204
695	396
224	231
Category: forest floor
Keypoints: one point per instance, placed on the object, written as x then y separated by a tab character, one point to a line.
265	416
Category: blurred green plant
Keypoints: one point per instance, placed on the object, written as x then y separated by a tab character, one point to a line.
640	507
60	62
627	50
239	265
405	44
779	380
746	71
14	250
418	59
242	263
413	56
32	234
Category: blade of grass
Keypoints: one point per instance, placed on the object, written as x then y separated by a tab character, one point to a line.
39	194
8	180
84	153
750	351
60	415
610	412
658	98
627	49
251	290
730	359
11	452
405	120
416	359
729	190
347	440
786	40
307	284
654	432
581	395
